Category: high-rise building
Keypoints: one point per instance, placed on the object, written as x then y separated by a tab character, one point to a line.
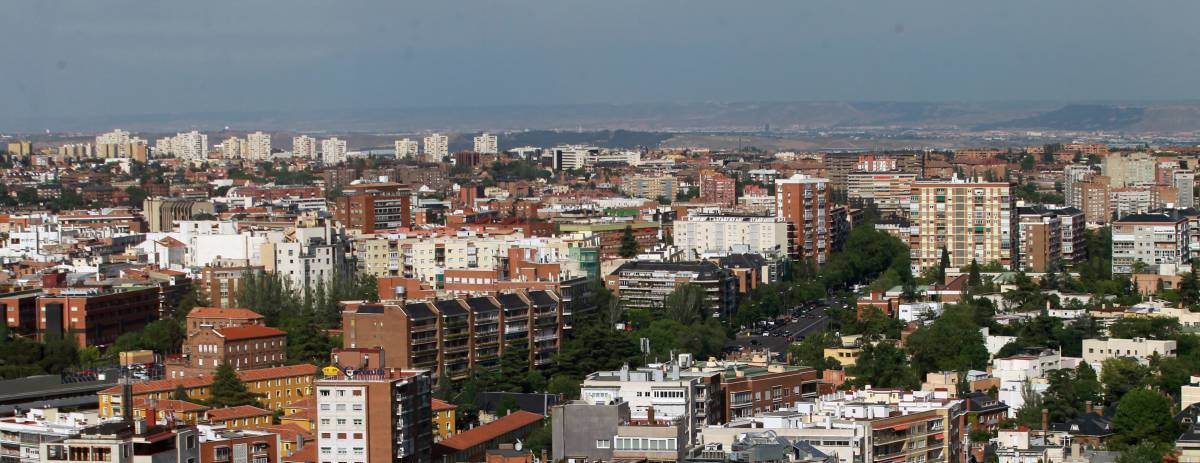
437	146
118	144
1125	169
650	186
407	148
185	145
1073	174
162	213
486	143
1040	239
233	148
333	151
20	149
369	207
1091	196
304	146
1186	183
969	220
258	146
804	201
718	188
374	416
889	192
1149	239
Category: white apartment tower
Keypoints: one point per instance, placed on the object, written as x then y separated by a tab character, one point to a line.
233	148
333	151
188	145
437	146
258	146
304	146
407	148
486	143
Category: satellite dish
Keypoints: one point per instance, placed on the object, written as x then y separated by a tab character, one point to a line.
518	446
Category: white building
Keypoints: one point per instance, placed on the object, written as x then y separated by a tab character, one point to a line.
437	146
187	145
702	234
304	146
672	394
1096	351
258	146
233	148
22	436
918	311
407	148
568	157
333	151
486	143
1016	371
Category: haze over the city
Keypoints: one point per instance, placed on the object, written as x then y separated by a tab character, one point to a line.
96	59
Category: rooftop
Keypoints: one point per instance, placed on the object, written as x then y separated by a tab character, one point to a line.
481	434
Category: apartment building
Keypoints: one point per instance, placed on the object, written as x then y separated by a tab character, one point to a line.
1040	239
258	146
126	442
1149	239
1185	182
1073	174
970	220
611	233
304	147
333	151
752	390
889	192
1125	169
372	207
374	416
219	445
307	257
1092	197
234	148
162	213
452	336
186	145
437	146
664	392
1017	371
95	315
276	387
244	347
21	436
486	143
723	234
804	201
1131	200
1096	351
646	284
221	283
717	188
650	186
407	148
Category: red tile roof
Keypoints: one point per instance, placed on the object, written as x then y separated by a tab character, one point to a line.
306	454
233	413
217	312
165	385
235	333
439	405
289	432
170	405
481	434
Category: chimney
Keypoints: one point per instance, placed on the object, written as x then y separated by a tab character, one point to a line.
151	414
1045	421
650	414
1087	407
127	400
544	460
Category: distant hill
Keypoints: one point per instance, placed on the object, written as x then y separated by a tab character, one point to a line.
622	122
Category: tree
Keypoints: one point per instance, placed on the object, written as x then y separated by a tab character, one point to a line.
1143	416
1087	386
180	393
974	280
1121	375
942	266
228	390
883	365
685	304
1144	452
1030	413
951	343
565	386
629	244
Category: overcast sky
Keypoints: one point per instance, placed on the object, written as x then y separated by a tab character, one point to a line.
97	57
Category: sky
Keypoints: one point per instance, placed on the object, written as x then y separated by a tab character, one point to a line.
118	57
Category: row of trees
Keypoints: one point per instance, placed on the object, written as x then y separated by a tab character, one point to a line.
306	316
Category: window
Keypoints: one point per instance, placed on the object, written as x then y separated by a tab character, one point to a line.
603	443
324	392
